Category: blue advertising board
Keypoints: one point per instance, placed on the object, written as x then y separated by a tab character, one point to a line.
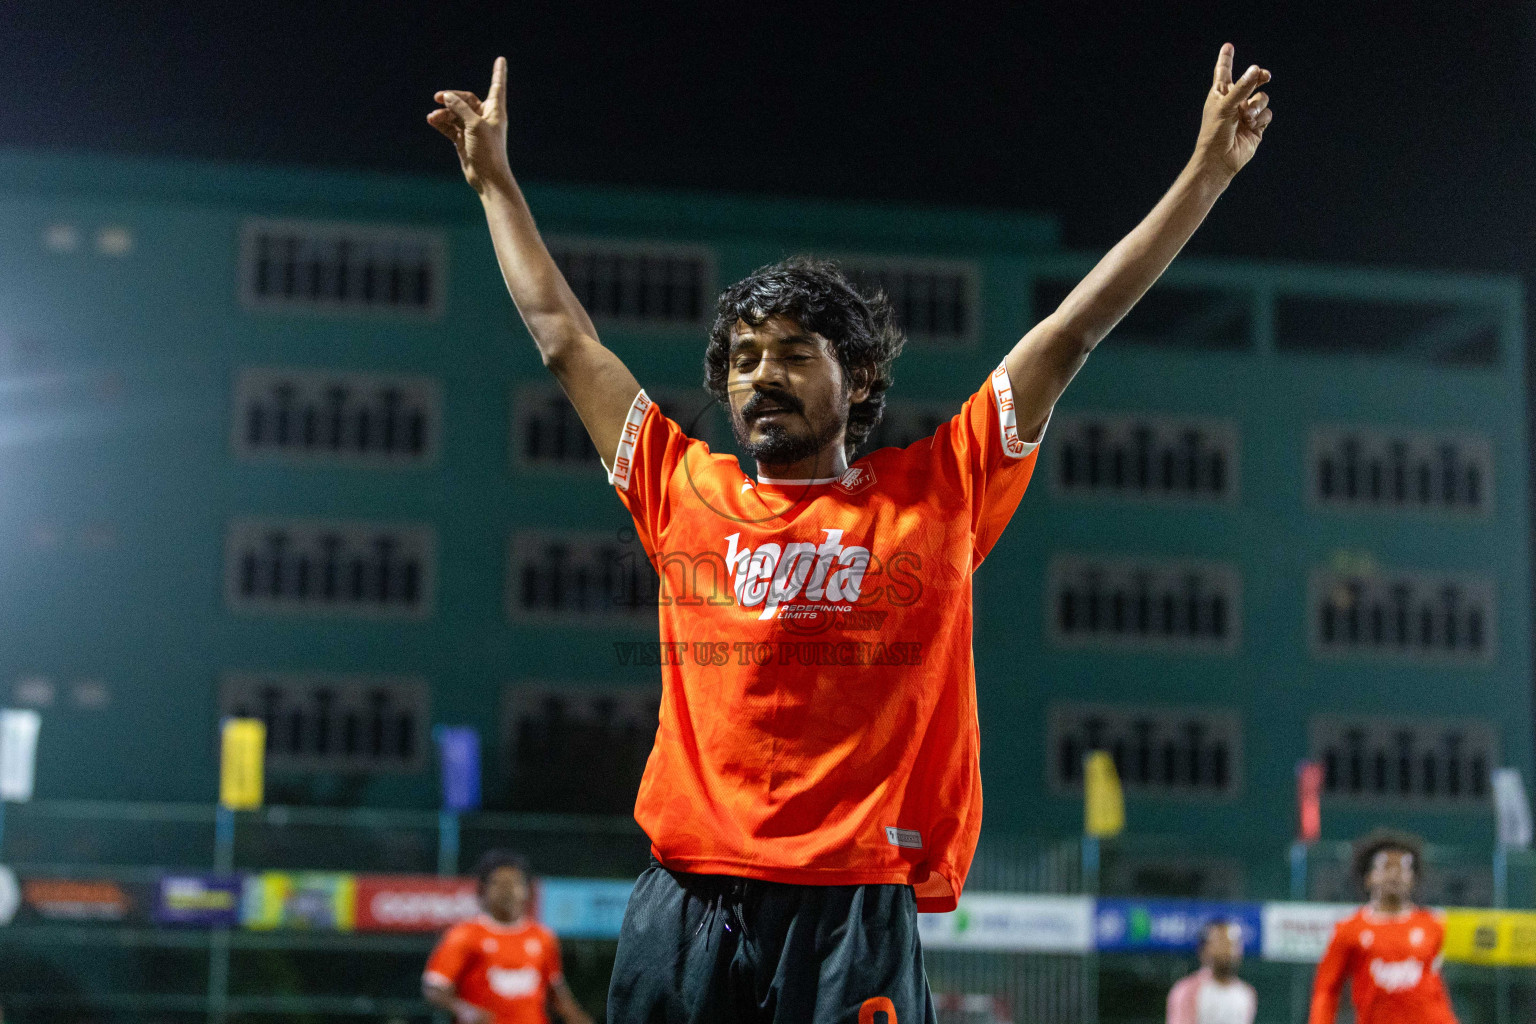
583	908
1168	926
200	900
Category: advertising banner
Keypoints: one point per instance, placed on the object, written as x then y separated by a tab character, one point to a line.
1170	926
204	900
583	908
413	903
84	899
313	900
1039	924
1298	933
1497	938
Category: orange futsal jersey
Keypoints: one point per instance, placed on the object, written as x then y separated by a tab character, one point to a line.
1393	966
506	969
818	717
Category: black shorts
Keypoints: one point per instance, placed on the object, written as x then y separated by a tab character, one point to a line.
702	949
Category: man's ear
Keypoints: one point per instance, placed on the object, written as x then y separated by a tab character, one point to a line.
858	381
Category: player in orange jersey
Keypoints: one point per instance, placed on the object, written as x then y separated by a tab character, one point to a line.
815	780
1389	950
500	967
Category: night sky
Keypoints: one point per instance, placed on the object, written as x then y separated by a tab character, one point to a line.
1403	132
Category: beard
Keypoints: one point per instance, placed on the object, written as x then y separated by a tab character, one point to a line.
778	446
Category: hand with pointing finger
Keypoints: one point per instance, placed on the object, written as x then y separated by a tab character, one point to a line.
1235	117
478	130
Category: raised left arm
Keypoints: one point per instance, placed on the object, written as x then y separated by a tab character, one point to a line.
1046	359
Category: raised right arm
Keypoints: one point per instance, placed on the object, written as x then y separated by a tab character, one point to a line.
596	381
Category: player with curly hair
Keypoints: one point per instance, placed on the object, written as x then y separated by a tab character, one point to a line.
815	780
1388	950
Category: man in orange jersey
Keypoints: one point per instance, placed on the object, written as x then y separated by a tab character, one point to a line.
500	967
1389	950
815	780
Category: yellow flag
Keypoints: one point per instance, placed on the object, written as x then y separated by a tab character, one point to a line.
240	763
1104	806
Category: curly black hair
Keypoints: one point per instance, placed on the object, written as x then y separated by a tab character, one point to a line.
1369	845
494	860
818	296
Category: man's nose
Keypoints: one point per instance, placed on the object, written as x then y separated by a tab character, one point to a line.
770	370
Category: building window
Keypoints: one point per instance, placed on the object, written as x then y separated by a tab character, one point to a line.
1146	457
1419	616
1361	467
1157	751
547	432
907	422
318	567
574	748
936	302
652	284
321	416
1464	331
580	576
1405	760
1172	315
1195	606
334	723
341	268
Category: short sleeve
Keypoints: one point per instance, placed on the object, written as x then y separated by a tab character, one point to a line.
554	967
651	448
450	959
1180	1004
980	451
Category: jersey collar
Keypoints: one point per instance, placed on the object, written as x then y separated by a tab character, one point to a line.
1375	917
781	482
496	926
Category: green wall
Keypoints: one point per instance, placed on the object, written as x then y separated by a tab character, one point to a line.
117	480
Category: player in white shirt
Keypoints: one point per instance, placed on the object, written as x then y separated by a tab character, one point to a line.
1215	994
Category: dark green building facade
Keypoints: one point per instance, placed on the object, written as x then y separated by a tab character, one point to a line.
275	443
